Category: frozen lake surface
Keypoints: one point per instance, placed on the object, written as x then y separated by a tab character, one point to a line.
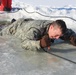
16	61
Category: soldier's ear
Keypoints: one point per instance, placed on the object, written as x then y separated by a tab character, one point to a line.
51	27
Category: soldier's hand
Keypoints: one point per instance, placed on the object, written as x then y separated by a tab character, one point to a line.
45	41
73	39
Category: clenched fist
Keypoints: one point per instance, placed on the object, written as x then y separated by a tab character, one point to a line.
73	39
45	41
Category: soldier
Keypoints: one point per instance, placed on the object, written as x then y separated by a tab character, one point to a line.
39	34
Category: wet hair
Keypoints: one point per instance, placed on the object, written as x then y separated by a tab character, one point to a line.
60	23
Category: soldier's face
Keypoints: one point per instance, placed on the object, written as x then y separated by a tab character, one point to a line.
54	32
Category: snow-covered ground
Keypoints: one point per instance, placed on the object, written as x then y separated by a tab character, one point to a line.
68	13
33	11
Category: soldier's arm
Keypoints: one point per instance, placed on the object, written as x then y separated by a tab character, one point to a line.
70	36
31	40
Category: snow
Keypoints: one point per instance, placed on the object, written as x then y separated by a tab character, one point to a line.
68	10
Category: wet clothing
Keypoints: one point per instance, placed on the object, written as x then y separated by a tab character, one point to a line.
30	32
